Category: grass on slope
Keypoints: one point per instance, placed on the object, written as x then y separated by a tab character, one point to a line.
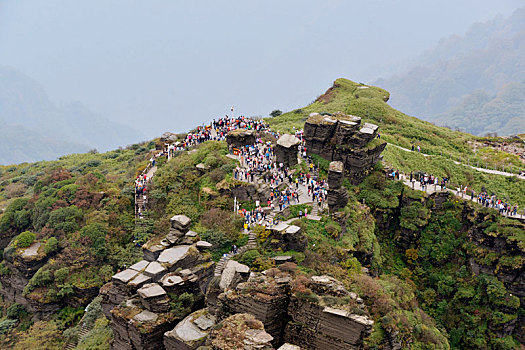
505	187
368	102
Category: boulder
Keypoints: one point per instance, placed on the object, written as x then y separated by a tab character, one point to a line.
286	150
240	138
180	222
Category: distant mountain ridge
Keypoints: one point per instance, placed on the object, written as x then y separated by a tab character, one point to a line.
439	85
33	128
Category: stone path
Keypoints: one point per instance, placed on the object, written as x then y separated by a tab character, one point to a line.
483	170
416	185
84	330
252	244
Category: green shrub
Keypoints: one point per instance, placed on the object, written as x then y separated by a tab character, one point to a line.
25	239
51	245
6	325
15	311
61	275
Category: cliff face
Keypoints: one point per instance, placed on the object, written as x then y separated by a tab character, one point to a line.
342	138
476	253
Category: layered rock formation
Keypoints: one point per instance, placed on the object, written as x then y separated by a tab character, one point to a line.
240	138
342	138
140	300
287	237
337	195
286	150
295	310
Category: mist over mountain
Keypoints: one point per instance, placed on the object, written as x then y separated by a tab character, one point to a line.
34	128
482	67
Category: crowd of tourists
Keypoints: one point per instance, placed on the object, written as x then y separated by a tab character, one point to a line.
483	198
257	162
491	201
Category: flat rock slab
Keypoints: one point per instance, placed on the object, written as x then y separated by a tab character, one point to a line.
191	234
230	272
146	316
139	280
174	254
140	266
151	290
154	269
314	217
292	229
125	276
204	245
282	259
205	322
170	281
258	336
32	250
280	227
288	141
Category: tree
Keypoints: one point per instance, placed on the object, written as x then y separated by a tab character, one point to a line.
276	113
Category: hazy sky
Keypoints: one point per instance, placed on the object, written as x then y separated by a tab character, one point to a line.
169	65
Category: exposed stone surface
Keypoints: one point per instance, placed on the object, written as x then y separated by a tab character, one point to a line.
287	237
240	137
288	346
339	138
286	150
240	331
191	332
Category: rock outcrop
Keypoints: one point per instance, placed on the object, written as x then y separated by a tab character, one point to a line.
240	331
316	313
286	150
140	300
337	195
240	138
287	237
342	138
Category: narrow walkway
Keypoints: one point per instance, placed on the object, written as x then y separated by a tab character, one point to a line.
436	188
483	170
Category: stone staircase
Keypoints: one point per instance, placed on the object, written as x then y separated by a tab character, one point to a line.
252	244
84	330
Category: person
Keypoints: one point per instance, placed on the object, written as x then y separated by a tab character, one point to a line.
234	249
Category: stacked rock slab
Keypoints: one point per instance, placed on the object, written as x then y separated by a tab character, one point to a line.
240	138
342	138
286	150
264	297
287	237
191	332
179	234
337	195
138	299
315	326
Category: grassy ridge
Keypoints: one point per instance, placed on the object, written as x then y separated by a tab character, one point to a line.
397	128
368	102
